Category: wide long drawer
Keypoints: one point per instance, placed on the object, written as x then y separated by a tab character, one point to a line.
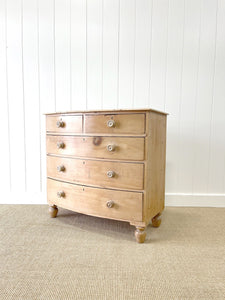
98	173
106	203
64	124
97	147
115	124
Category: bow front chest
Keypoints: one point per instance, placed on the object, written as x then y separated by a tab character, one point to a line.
108	164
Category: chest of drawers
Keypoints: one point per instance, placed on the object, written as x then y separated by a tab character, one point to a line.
108	164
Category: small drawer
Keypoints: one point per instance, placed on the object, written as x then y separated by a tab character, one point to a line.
105	203
64	124
115	124
125	148
98	173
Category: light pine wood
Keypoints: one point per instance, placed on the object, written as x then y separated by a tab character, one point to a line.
121	123
140	234
93	201
125	148
108	111
156	221
112	170
53	211
69	124
92	172
154	183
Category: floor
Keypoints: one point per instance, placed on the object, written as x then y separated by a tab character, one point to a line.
81	257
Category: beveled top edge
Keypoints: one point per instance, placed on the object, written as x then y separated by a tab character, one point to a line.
108	111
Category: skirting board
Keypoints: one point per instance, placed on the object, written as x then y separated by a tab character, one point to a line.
195	200
172	199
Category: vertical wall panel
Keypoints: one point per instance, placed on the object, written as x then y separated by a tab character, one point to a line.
126	53
46	54
189	80
94	54
174	73
16	96
78	54
59	55
158	53
142	53
45	15
62	55
110	53
204	96
216	183
4	151
31	94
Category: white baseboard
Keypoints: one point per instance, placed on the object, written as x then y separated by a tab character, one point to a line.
172	199
24	198
195	200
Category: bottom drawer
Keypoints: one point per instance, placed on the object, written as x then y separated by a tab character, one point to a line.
105	203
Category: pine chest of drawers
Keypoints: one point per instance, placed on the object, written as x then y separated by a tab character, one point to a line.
109	164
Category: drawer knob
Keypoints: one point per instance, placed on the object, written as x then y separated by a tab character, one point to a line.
61	168
60	123
111	148
110	204
60	145
111	174
111	123
60	194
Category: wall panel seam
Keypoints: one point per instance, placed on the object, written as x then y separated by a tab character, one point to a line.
23	95
213	98
150	58
7	94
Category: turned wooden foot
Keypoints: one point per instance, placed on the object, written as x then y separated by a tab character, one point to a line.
156	221
140	234
53	210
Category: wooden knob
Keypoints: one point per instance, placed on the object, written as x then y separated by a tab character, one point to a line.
111	123
60	145
60	123
60	194
111	148
111	174
110	204
61	168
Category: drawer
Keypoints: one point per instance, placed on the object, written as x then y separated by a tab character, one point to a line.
64	124
115	124
99	173
96	201
126	148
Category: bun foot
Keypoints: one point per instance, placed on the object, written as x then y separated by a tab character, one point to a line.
53	210
156	221
140	234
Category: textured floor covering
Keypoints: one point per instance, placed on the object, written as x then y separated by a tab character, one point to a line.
81	257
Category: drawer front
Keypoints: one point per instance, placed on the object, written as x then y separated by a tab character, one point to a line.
95	201
119	124
99	173
64	124
97	147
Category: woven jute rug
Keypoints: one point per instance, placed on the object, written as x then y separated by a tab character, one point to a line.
81	257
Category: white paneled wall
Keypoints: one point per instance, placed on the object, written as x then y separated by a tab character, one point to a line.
60	55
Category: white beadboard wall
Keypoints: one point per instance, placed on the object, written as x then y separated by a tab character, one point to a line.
60	55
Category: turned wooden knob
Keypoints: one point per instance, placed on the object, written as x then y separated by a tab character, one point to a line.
111	148
60	194
60	145
60	123
110	204
111	174
111	123
61	168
